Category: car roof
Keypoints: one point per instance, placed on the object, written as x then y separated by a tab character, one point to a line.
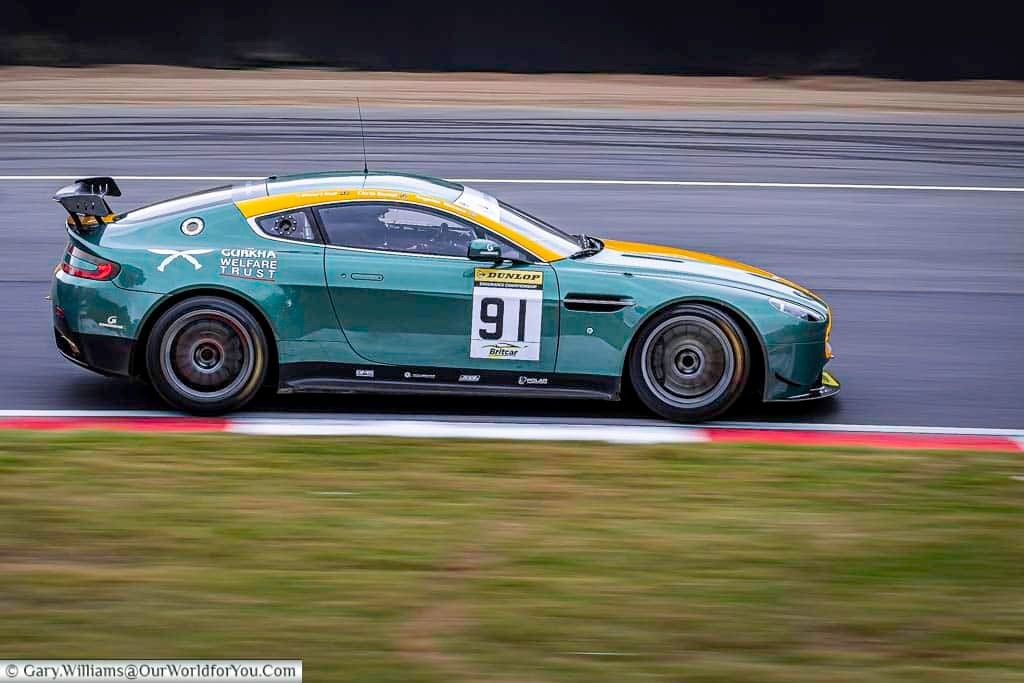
276	185
277	193
386	180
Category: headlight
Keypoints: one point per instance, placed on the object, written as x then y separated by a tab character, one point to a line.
797	311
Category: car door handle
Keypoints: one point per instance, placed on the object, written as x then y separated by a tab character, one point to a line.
367	276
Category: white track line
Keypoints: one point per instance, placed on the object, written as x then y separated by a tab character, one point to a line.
469	430
583	181
321	420
132	177
720	183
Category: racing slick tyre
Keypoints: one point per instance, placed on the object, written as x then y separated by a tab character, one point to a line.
207	355
689	363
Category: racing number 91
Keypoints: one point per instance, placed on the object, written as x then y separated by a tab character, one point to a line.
506	323
496	319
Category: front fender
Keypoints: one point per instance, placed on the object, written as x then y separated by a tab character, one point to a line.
599	343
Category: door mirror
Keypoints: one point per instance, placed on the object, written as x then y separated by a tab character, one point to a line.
484	250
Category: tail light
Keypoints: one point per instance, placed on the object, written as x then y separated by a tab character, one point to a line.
79	263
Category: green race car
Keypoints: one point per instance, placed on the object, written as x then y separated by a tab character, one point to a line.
394	283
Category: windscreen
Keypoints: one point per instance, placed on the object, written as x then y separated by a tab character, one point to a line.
539	231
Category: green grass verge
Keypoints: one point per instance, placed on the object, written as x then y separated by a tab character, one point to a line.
397	560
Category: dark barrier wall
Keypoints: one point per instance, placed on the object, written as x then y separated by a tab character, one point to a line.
898	40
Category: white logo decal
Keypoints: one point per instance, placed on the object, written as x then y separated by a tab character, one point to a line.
171	254
364	373
248	264
469	378
418	375
533	380
112	323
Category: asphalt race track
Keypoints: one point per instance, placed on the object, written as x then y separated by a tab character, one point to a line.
927	286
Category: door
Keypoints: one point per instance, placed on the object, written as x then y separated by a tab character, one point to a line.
406	294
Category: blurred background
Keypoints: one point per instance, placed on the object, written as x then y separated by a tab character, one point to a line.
896	40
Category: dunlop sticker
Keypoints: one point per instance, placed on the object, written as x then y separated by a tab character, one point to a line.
495	277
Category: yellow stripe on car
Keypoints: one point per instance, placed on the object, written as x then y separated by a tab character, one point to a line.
295	200
641	248
828	333
90	220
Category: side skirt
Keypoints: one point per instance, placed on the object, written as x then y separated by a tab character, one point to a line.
343	378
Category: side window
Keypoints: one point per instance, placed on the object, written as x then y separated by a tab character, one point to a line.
396	227
353	225
292	225
426	232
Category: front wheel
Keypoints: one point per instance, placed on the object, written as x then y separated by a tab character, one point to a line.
207	355
689	363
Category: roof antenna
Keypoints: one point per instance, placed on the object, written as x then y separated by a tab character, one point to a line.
362	134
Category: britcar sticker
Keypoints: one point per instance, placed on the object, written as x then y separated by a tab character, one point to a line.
173	255
502	350
506	317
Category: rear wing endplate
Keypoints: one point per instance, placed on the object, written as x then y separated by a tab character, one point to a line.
87	197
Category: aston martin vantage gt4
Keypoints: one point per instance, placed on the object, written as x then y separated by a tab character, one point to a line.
394	283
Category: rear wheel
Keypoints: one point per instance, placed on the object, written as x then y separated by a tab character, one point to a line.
689	363
207	355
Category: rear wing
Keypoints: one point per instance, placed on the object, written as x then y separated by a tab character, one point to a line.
87	197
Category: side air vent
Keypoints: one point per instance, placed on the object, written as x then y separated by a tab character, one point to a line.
596	303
